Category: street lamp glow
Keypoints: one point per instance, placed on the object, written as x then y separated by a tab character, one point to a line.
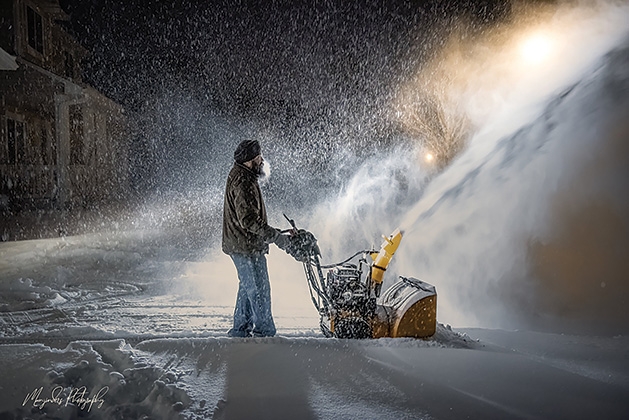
535	48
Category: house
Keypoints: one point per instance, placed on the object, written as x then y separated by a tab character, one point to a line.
62	143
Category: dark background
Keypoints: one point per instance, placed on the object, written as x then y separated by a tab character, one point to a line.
311	79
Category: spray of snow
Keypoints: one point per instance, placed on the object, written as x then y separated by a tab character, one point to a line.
536	125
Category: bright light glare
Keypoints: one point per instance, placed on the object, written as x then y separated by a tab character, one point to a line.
429	157
535	48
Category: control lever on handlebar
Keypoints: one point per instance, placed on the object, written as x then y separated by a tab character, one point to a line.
294	230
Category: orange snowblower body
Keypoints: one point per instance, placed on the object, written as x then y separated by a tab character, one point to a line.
349	302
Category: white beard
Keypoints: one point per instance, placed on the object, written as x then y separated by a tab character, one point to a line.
264	172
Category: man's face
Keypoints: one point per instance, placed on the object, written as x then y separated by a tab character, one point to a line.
261	168
257	163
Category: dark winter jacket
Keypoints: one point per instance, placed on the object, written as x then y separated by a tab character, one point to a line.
245	227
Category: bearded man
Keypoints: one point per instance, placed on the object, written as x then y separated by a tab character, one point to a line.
246	239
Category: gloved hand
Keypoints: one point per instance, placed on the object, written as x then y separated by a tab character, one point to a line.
282	241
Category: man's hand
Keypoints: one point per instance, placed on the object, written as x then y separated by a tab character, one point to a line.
282	241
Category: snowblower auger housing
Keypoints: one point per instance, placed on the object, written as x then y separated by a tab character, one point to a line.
348	296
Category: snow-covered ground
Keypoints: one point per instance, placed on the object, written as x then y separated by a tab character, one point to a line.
131	284
116	326
451	377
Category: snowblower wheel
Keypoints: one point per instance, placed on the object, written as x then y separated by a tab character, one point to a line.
352	327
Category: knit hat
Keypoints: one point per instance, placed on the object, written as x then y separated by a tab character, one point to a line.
247	150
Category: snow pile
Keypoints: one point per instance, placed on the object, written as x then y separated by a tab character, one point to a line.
21	294
103	380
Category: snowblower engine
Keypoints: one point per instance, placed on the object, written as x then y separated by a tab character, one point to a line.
352	305
348	296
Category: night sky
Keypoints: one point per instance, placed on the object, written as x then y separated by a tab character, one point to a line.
259	57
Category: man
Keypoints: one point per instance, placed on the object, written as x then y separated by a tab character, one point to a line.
246	238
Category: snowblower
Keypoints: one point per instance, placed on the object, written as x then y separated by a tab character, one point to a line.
348	297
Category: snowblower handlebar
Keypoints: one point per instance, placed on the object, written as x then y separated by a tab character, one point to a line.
292	223
303	246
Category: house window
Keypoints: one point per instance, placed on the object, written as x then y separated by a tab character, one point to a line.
45	156
76	135
35	30
69	65
15	141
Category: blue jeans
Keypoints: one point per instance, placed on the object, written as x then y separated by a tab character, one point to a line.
252	315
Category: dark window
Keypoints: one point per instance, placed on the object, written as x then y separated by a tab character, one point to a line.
45	160
76	135
35	30
15	141
69	65
10	141
53	149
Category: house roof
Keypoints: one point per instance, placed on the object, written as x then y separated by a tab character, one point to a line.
7	61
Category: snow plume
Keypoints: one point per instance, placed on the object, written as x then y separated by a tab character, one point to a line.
368	205
527	225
